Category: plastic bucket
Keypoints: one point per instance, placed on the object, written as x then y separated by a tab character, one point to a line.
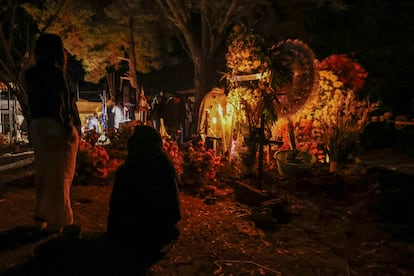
294	163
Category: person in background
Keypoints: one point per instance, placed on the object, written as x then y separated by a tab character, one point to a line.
119	113
54	133
163	97
111	116
143	108
157	111
189	116
144	207
93	123
175	117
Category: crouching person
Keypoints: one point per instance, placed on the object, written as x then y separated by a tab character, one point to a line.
144	206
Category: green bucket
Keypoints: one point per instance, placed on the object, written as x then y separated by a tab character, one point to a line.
293	163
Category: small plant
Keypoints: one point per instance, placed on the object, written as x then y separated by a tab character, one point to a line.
342	118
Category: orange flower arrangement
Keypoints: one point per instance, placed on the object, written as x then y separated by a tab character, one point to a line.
200	164
92	162
350	72
333	120
173	151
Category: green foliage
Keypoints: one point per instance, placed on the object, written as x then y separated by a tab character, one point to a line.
132	24
98	37
77	25
280	66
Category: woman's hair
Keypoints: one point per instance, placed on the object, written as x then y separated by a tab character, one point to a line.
49	49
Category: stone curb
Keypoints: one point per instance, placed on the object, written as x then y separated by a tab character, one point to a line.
19	163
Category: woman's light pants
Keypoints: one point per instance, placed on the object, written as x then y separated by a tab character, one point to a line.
55	150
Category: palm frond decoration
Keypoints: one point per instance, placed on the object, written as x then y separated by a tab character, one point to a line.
294	76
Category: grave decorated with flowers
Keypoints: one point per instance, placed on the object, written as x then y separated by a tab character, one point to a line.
278	97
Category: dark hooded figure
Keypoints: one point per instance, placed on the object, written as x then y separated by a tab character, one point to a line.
144	207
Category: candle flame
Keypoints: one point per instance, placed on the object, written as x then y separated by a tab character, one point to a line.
220	110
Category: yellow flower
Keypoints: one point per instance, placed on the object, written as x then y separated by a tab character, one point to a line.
257	63
245	54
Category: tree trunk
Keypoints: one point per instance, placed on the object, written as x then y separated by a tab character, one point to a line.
133	64
200	84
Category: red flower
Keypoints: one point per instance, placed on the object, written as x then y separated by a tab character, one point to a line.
350	72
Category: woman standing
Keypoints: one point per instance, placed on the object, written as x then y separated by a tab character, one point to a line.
54	133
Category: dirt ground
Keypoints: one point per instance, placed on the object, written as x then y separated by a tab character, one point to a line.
360	222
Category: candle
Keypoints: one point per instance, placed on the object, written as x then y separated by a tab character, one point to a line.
214	130
223	128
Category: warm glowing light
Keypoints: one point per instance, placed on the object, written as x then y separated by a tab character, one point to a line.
249	77
220	110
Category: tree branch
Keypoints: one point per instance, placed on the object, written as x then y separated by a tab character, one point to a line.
6	49
49	21
174	12
223	26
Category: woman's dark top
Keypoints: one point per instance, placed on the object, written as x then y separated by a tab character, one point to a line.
49	96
